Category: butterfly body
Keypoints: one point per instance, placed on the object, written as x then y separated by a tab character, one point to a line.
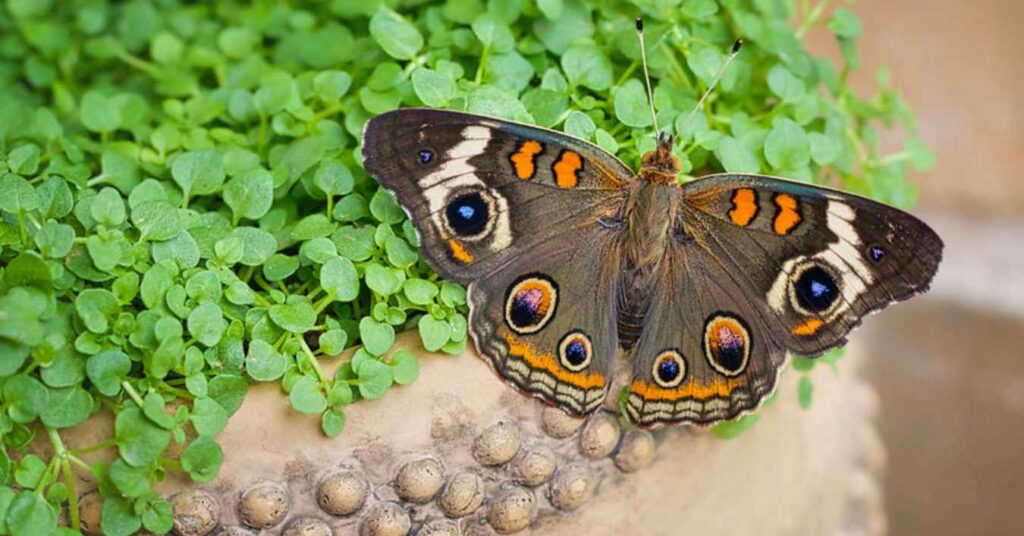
569	255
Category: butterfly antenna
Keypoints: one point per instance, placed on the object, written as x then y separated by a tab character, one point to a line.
732	55
647	76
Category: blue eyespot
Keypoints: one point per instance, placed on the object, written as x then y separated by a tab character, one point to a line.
668	370
876	253
576	353
426	156
816	289
467	214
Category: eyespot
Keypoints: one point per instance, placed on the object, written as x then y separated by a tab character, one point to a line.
669	369
468	214
727	343
530	303
426	156
876	253
575	351
814	290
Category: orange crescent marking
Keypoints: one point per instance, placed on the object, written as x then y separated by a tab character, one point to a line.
716	389
788	217
522	160
459	251
744	202
566	168
810	327
548	364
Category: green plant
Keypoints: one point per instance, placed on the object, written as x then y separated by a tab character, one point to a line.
184	211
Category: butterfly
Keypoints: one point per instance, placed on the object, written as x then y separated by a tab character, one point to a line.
569	255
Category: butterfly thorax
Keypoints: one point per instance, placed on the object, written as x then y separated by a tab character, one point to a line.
652	208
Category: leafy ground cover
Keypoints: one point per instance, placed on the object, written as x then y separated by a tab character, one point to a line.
184	212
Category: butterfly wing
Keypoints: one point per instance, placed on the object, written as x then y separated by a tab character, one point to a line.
546	322
768	265
482	191
521	214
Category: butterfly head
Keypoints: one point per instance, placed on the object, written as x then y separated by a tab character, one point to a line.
660	165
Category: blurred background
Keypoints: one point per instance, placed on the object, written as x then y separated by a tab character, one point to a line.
947	366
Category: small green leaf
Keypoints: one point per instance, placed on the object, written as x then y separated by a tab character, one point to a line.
432	87
376	336
381	280
395	35
208	417
787	146
25	398
588	66
158	516
338	277
30	471
106	370
139	440
736	157
493	33
263	363
198	172
306	396
297	317
30	515
434	333
404	366
332	422
67	407
108	207
631	104
332	342
202	459
118	517
250	194
374	378
206	324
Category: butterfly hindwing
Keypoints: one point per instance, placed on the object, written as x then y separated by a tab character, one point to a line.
546	322
705	353
800	265
482	191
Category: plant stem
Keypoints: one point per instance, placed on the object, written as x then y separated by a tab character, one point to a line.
131	392
93	448
316	364
60	453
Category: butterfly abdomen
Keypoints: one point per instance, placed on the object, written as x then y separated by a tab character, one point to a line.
651	209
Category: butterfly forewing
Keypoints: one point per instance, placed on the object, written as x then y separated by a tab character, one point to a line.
481	191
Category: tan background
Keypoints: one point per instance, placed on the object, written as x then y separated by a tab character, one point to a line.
948	366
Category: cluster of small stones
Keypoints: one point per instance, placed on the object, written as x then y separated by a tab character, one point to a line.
503	493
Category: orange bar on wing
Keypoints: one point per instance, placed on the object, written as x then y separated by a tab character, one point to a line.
548	364
523	160
566	168
459	251
788	216
691	389
810	327
744	202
